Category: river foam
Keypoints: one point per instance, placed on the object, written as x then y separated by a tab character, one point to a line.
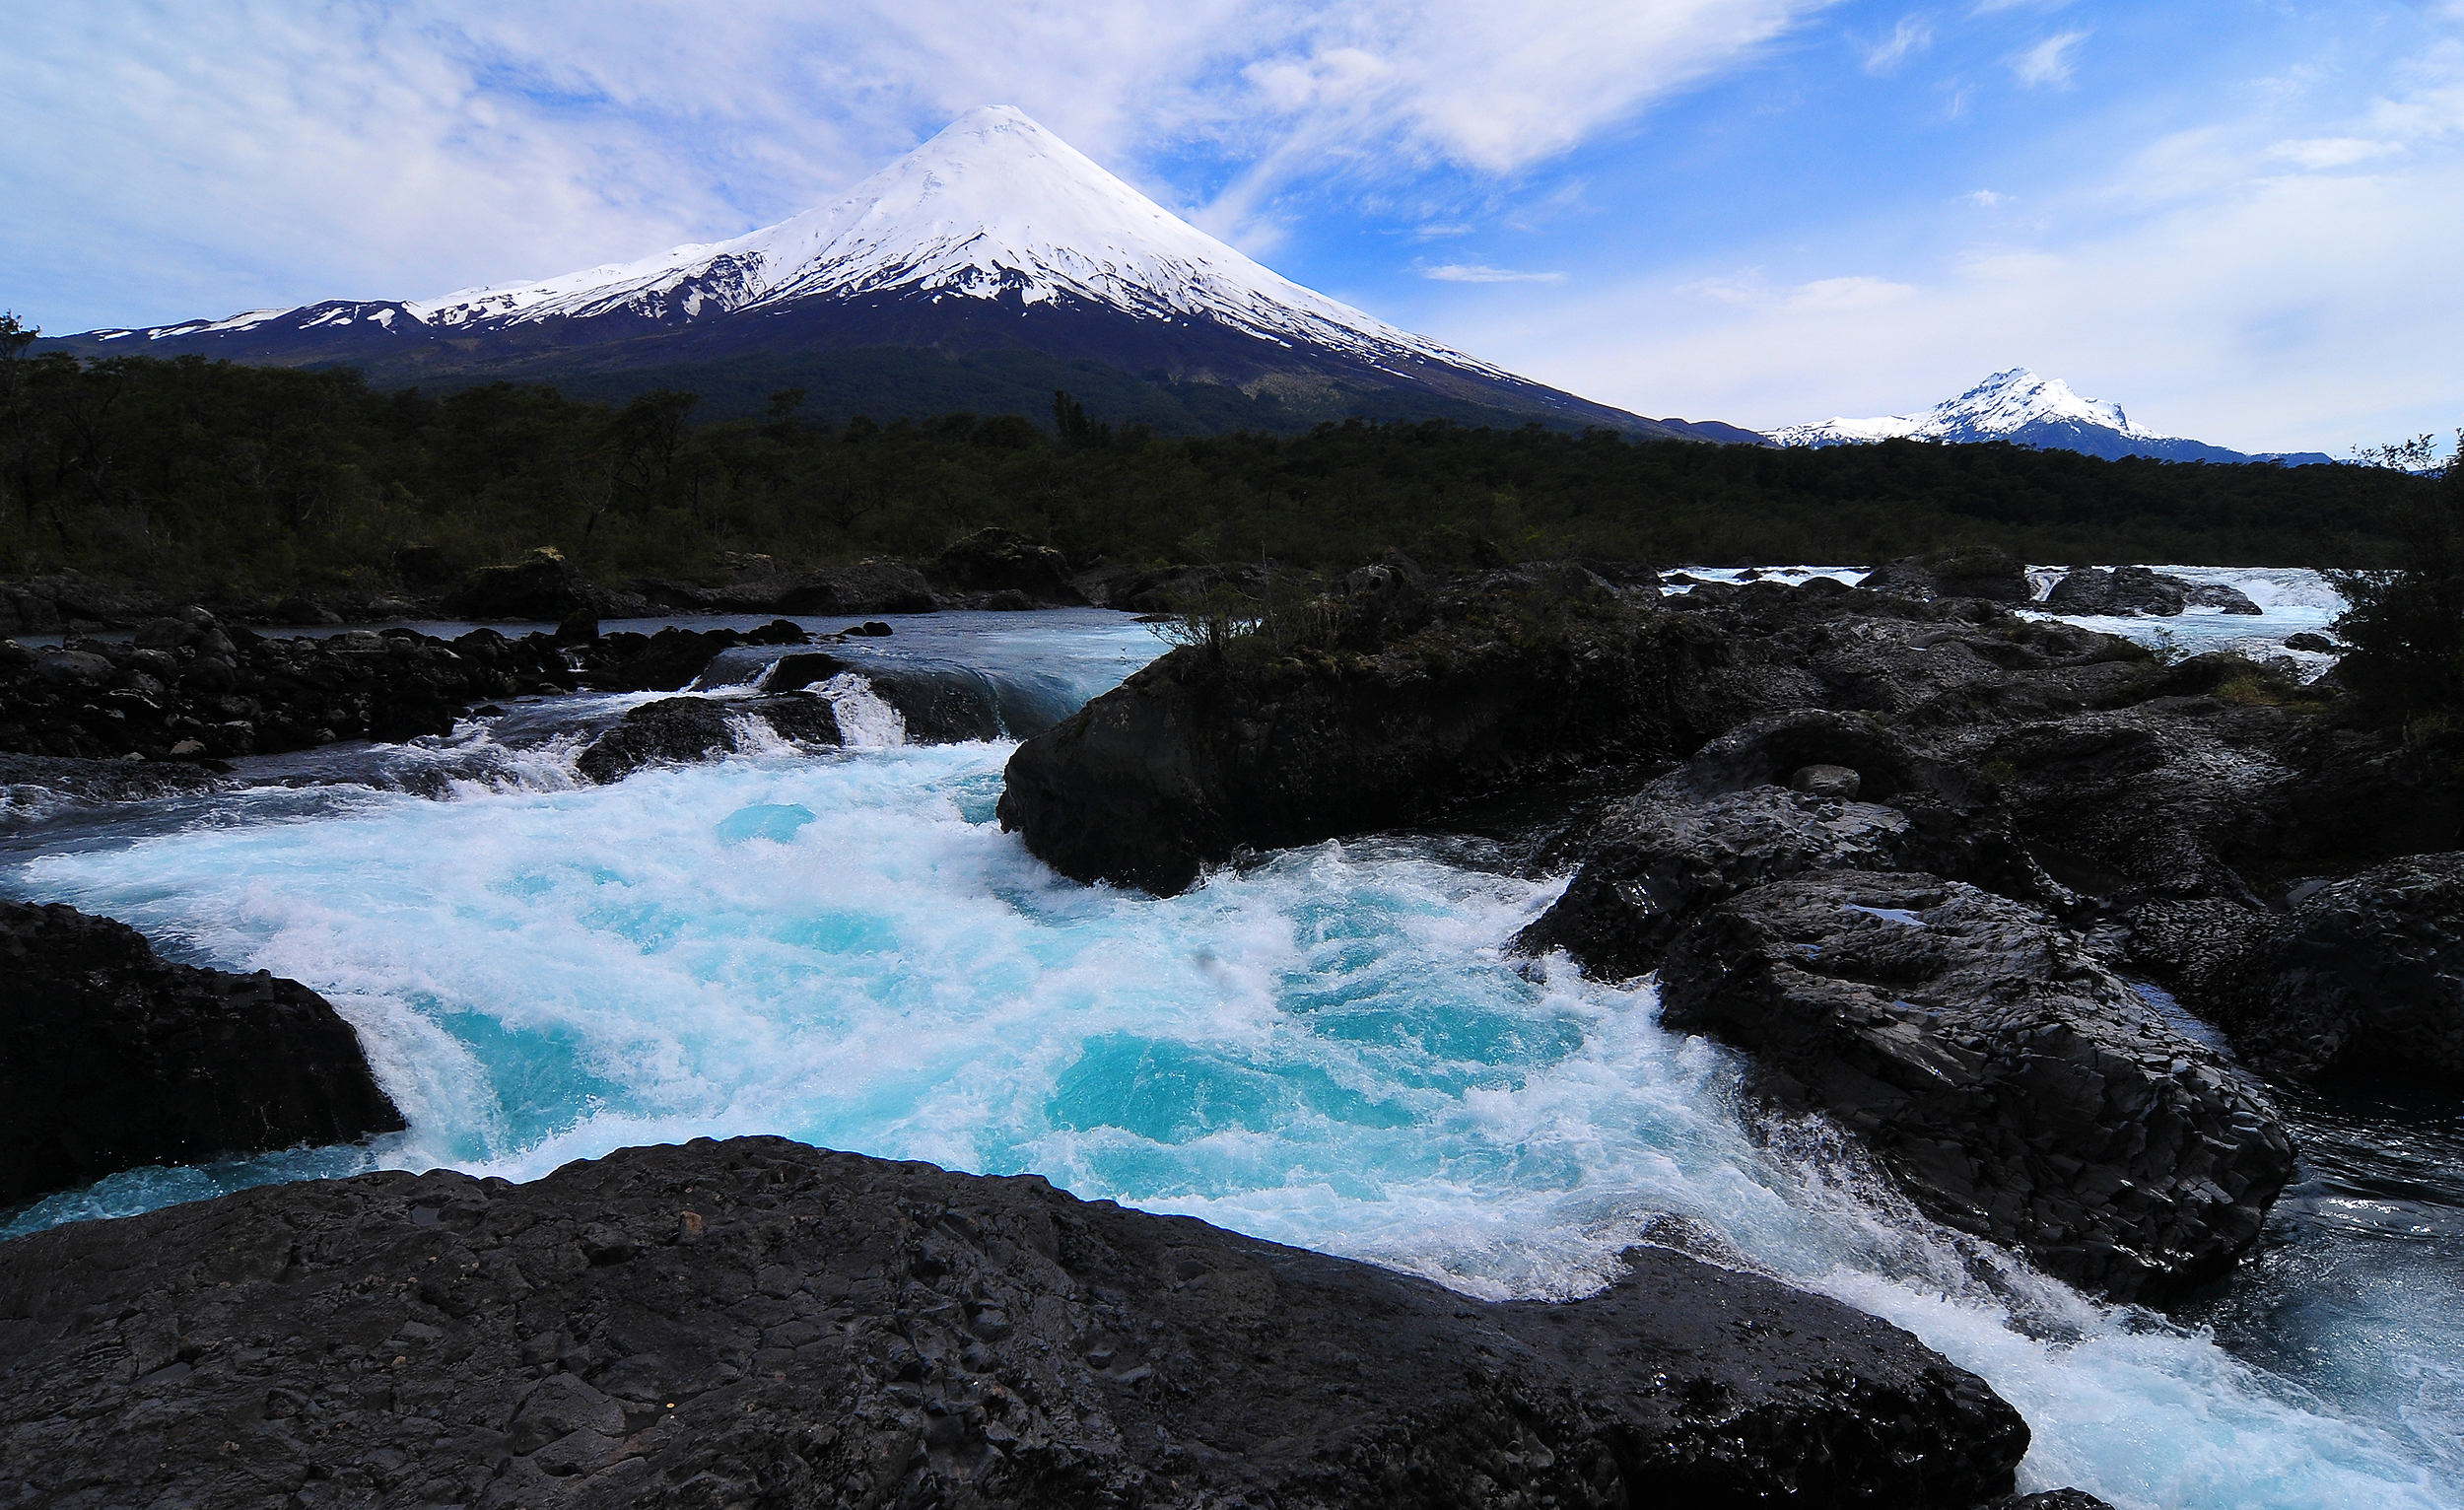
1328	1049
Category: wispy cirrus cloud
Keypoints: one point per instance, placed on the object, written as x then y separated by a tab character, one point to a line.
1473	272
1913	34
2051	63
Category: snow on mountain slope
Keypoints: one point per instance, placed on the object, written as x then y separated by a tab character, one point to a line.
993	205
1996	409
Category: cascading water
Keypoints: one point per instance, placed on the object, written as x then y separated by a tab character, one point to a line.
1328	1049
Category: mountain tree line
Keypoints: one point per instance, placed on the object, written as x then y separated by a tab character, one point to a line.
217	480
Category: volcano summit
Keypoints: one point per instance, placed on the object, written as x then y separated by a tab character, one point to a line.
993	256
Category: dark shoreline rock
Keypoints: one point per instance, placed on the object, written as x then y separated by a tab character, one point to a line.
759	1322
2014	1087
112	1057
1423	698
679	730
2358	976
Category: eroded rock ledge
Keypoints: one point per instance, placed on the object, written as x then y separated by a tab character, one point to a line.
112	1057
757	1322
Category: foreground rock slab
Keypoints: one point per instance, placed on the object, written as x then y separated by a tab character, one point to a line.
112	1057
757	1322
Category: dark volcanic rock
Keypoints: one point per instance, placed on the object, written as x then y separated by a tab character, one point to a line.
1425	696
2364	975
545	588
111	1059
1979	571
1653	862
2124	590
34	605
936	707
2013	1087
760	1323
1002	560
679	730
868	587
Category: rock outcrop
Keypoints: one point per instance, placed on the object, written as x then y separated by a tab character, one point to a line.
2013	1087
1976	571
1005	561
2131	590
759	1322
112	1057
1388	702
49	604
2358	976
1856	798
679	730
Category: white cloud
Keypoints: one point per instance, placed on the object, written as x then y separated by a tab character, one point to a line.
1854	292
2051	63
1914	34
176	159
1471	272
1986	199
2323	152
2293	312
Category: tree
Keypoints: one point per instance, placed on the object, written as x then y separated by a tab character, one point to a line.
2405	625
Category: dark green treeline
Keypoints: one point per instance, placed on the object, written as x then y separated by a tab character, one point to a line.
216	479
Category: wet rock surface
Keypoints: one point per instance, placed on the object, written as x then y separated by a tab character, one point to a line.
2016	1087
2360	976
680	731
112	1057
1421	694
759	1322
1653	862
1976	571
2130	591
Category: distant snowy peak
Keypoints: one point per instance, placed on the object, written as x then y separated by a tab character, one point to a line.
1996	409
2026	409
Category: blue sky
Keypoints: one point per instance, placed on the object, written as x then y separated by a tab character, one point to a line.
2243	220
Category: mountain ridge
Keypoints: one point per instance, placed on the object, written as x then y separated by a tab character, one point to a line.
993	236
2021	407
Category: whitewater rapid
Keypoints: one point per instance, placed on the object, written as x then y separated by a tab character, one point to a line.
1329	1048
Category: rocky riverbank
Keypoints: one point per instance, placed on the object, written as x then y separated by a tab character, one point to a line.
1915	848
112	1057
995	569
759	1322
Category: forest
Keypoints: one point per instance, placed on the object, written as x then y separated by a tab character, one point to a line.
219	481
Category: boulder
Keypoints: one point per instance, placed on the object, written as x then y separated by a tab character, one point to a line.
680	731
2364	975
112	1057
2012	1085
1653	863
1408	700
2216	594
1977	572
756	1321
868	587
937	705
545	588
673	730
2125	591
1004	561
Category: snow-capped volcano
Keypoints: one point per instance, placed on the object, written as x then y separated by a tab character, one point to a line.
2025	409
995	235
993	205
